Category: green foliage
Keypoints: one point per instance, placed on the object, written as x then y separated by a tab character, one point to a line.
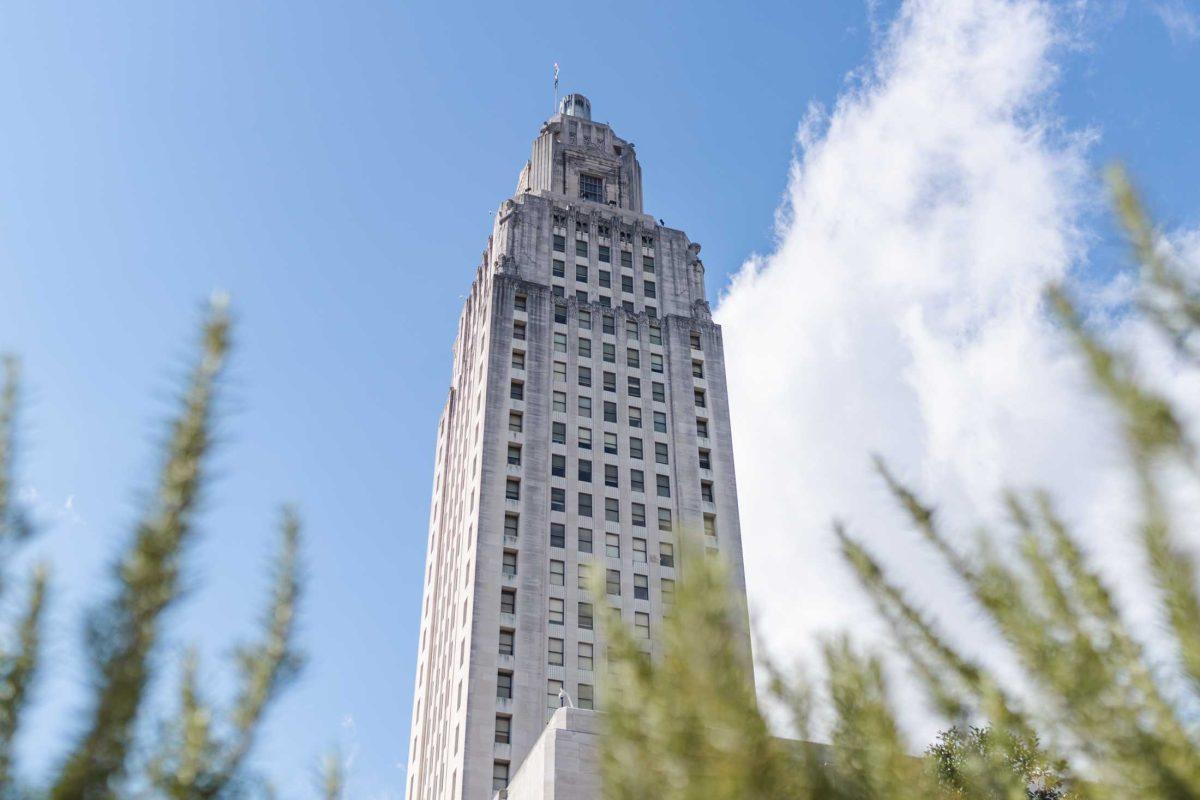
1094	717
201	751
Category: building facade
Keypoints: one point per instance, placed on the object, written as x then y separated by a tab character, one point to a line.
585	431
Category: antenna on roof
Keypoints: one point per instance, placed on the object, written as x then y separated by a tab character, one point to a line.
555	110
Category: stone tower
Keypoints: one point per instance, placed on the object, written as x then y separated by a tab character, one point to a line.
586	429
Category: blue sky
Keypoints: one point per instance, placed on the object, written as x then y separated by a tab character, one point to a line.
334	168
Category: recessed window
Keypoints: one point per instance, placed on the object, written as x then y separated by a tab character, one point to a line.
591	187
633	358
660	422
610	411
560	244
509	563
664	519
560	372
558	499
655	333
641	625
635	417
612	509
558	432
585	540
585	347
668	590
558	534
518	359
558	573
584	471
584	696
584	659
503	729
515	421
556	610
558	400
631	329
520	301
609	324
512	489
635	447
702	428
639	550
512	524
694	339
586	621
508	601
516	390
666	554
706	491
585	407
661	454
663	483
697	368
585	376
560	314
635	386
610	444
585	504
611	472
612	582
558	465
627	283
701	401
638	513
659	392
500	772
519	330
514	455
581	248
553	696
637	480
581	273
710	525
705	459
585	438
605	254
506	642
612	545
641	587
504	685
555	653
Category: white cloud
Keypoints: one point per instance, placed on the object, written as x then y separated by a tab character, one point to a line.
1182	22
901	313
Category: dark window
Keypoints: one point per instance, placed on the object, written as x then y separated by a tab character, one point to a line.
585	470
558	535
591	187
605	254
508	601
560	243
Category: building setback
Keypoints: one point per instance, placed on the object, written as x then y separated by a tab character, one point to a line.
586	430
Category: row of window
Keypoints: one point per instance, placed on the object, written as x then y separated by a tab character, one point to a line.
603	252
516	424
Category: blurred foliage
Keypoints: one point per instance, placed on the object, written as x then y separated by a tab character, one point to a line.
1091	715
200	751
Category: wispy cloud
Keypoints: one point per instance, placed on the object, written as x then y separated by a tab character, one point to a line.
901	312
1181	20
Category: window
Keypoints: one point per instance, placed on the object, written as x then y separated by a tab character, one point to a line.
555	653
705	459
610	476
609	324
585	616
499	774
605	253
558	534
610	353
627	305
581	273
706	491
560	343
635	386
648	288
558	499
660	453
663	483
697	368
584	660
612	545
710	525
560	314
641	587
519	330
581	248
612	509
694	339
506	642
635	417
612	582
503	729
520	301
560	372
591	187
666	554
610	381
558	291
508	601
553	700
585	540
633	358
560	244
509	565
585	347
516	390
626	259
512	489
518	359
627	283
700	401
585	376
668	590
604	300
584	697
512	524
558	573
515	421
635	447
585	504
584	473
559	269
504	685
702	428
638	513
585	407
648	263
610	443
659	392
639	550
664	519
585	438
655	333
631	329
660	422
637	480
656	363
610	411
605	280
558	432
556	610
585	319
514	455
583	577
641	625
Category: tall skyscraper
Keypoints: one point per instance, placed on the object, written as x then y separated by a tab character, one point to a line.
586	429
